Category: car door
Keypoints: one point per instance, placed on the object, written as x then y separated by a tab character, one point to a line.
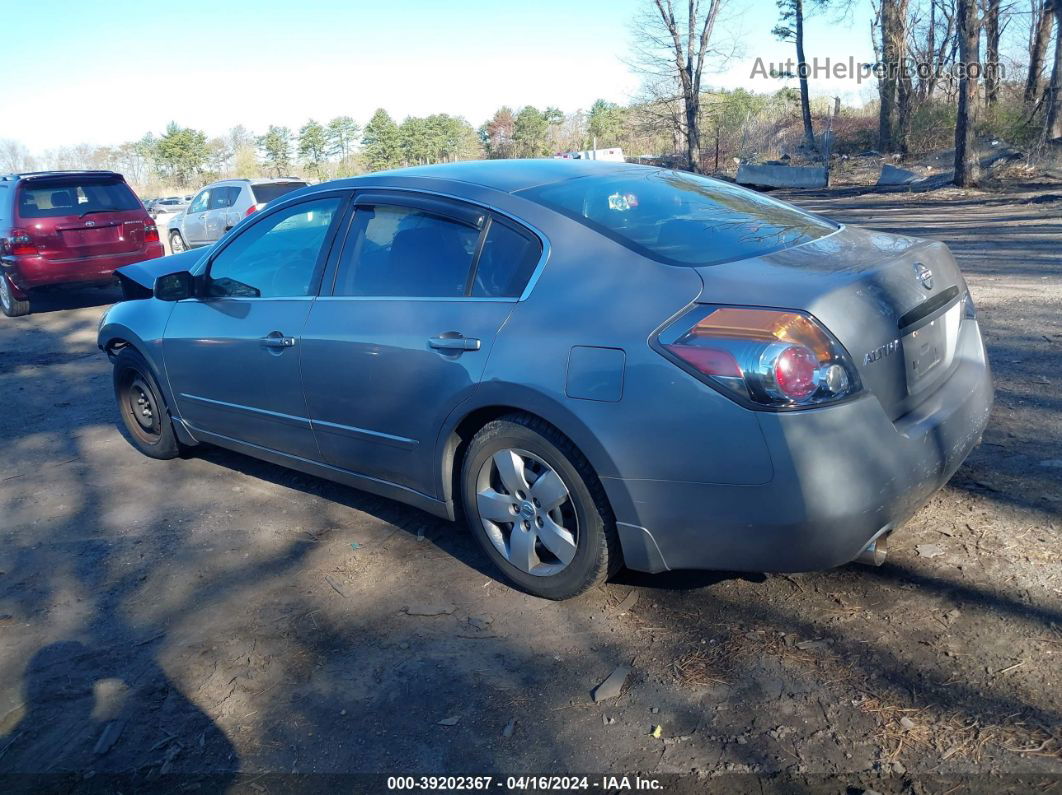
402	339
232	355
193	225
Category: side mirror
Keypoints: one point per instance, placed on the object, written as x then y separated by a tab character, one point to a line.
175	286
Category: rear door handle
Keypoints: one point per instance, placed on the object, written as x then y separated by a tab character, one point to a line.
454	343
278	340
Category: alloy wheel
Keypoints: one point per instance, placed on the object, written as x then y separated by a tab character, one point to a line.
176	243
527	512
5	293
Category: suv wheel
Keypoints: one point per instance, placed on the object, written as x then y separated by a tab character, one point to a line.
143	411
12	306
177	242
536	506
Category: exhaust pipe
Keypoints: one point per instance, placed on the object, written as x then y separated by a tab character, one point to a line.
874	553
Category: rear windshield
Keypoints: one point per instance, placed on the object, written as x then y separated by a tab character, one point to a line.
269	191
679	218
53	198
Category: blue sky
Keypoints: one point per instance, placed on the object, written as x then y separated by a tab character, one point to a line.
105	72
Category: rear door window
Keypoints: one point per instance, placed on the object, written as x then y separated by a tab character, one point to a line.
506	262
406	251
223	197
54	198
681	219
269	191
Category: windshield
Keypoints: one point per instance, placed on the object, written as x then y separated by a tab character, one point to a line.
268	191
680	218
62	197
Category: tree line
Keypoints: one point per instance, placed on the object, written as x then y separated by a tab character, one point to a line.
185	157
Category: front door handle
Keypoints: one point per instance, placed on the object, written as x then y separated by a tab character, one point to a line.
278	340
454	342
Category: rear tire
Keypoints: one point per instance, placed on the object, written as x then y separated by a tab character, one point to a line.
537	508
177	244
142	408
11	306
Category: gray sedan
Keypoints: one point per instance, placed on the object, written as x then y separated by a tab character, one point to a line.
593	364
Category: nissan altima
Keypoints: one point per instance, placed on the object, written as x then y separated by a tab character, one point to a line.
592	365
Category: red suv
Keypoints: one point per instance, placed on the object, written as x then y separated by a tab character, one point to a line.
68	228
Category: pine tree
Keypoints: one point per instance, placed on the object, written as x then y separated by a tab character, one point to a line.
276	149
313	147
382	142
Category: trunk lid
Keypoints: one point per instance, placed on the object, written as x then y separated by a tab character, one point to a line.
74	237
894	302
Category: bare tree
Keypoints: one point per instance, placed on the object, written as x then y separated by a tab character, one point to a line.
791	28
1054	93
930	41
945	51
1039	41
673	50
969	47
992	33
904	86
15	157
890	27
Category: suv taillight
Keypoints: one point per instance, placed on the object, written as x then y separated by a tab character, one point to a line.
20	244
768	357
250	210
151	233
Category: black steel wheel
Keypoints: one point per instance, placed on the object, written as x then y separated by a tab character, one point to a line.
142	408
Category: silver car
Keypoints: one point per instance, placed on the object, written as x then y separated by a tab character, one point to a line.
593	364
218	207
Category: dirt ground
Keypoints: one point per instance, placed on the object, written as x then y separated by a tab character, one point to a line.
223	620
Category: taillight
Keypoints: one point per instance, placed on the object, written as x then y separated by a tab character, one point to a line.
250	210
769	357
20	244
151	233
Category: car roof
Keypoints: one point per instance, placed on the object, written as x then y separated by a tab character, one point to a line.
514	175
257	181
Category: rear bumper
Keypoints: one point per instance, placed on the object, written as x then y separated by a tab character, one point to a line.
28	273
842	475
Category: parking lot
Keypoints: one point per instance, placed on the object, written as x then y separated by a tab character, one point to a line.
222	616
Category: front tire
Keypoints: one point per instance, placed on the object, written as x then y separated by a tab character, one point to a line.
11	306
177	244
537	508
140	404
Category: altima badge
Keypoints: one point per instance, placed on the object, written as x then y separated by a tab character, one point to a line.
881	352
924	274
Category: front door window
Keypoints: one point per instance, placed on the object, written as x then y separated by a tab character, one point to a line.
277	257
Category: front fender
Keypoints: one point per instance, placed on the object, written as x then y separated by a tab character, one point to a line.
141	325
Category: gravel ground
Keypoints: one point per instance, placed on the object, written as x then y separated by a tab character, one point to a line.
222	618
